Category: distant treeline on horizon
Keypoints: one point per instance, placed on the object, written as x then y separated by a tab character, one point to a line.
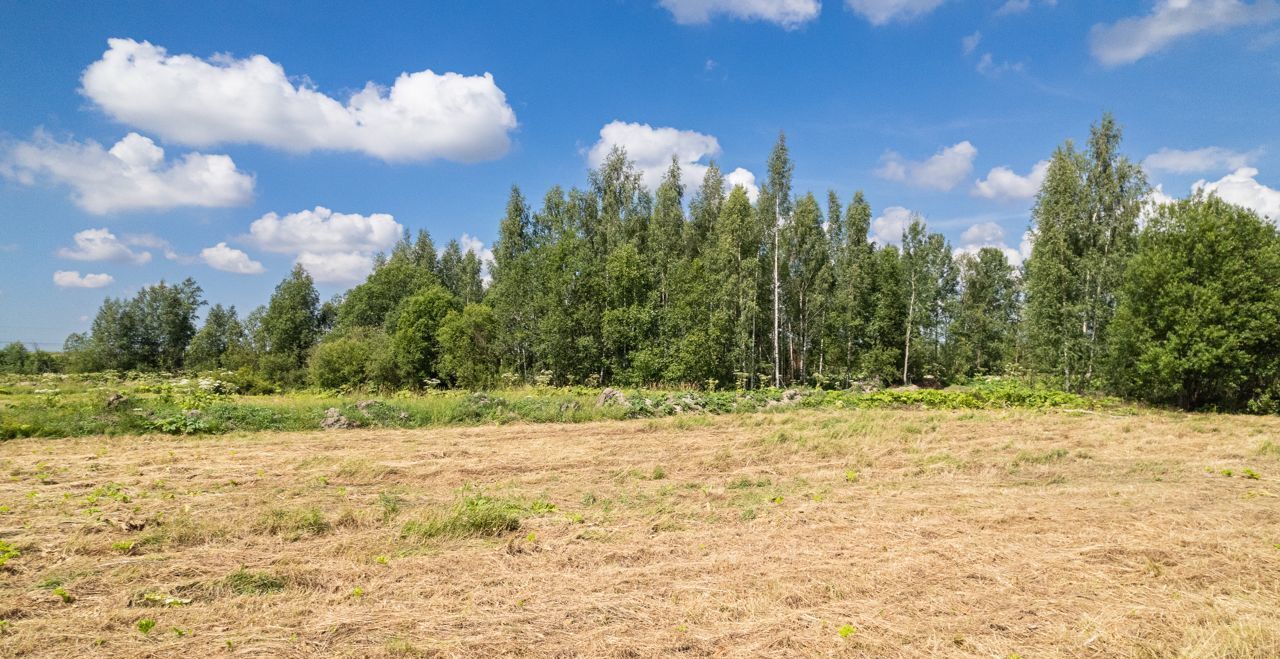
1174	303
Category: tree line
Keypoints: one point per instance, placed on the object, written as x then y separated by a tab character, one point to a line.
614	284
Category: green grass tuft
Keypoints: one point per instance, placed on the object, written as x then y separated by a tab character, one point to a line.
475	515
245	582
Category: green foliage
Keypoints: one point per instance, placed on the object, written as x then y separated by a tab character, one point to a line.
246	582
1084	230
8	552
351	358
415	346
983	333
295	523
1199	308
289	326
218	342
149	331
475	515
16	358
467	345
614	285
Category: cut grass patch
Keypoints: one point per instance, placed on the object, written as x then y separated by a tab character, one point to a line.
475	515
247	582
294	524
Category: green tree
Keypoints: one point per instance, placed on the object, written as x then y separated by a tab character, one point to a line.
409	269
1084	227
807	285
415	344
735	263
850	309
14	358
221	335
773	207
1198	310
467	347
883	357
515	285
352	357
289	326
983	333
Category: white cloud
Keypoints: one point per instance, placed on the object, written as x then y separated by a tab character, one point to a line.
1155	199
1196	160
880	12
132	175
1131	39
970	43
322	231
476	246
188	100
651	149
990	234
337	267
789	14
988	66
333	247
73	279
1019	6
942	171
887	228
747	180
1013	7
230	259
101	245
1003	183
1157	196
154	242
1242	188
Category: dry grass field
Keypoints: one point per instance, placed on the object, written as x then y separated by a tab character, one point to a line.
870	533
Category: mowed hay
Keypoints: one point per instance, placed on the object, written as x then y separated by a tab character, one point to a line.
869	533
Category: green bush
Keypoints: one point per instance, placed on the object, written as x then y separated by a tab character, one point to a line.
360	356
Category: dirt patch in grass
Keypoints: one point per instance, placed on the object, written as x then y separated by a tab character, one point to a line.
860	533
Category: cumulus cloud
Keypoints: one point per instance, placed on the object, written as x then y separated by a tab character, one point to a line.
942	171
1131	39
194	101
323	231
1196	160
476	246
789	14
990	234
131	175
1157	196
73	279
651	149
229	259
152	241
470	243
1004	184
1241	187
747	180
970	43
881	12
888	227
101	245
337	267
333	247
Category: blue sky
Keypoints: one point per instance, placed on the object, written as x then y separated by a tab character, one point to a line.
916	102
